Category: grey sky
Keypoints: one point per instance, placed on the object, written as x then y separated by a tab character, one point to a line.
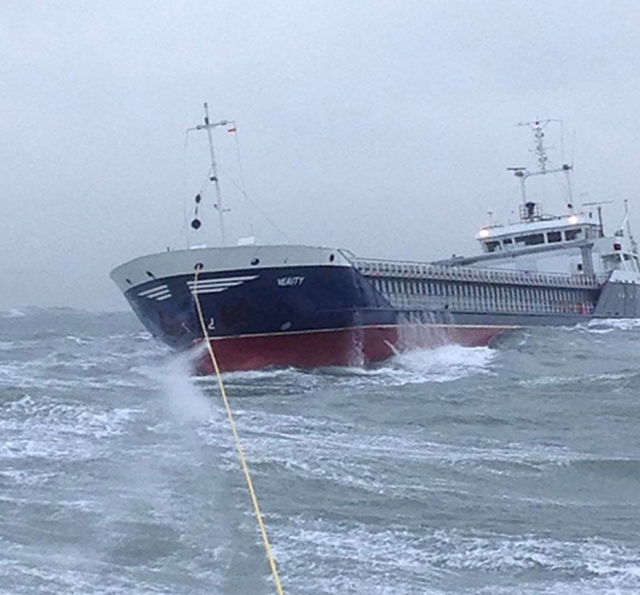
383	127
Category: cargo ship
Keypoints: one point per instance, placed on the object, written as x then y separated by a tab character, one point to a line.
308	306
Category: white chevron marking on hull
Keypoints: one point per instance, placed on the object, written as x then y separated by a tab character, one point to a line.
222	281
151	292
218	285
161	292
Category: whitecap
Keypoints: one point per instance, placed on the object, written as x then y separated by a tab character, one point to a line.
13	313
447	363
414	366
622	324
572	380
366	551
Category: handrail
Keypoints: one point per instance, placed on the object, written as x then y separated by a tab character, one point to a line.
393	268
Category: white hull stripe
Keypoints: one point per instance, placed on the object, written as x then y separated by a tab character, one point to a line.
225	281
151	292
218	285
158	294
214	290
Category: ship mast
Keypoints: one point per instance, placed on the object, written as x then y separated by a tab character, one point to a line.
537	126
209	126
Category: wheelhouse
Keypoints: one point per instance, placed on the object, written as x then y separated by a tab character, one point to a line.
553	231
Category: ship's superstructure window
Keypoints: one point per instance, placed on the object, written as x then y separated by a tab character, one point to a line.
572	234
537	239
533	239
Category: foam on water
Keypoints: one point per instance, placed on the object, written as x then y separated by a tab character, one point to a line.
454	470
48	429
572	380
627	324
416	366
422	560
447	363
604	326
13	313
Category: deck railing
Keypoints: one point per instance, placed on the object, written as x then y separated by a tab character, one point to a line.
519	305
415	270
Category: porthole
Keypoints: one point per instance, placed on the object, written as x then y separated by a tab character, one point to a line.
199	266
150	274
255	261
129	281
332	258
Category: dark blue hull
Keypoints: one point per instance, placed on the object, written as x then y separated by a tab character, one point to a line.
288	299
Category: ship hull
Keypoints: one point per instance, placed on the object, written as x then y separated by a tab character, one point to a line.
337	347
309	307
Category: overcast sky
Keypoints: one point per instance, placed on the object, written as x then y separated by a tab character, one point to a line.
385	127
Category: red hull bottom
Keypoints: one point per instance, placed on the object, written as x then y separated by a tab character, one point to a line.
337	347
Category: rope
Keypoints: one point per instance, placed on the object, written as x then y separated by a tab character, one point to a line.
241	455
185	222
242	184
262	212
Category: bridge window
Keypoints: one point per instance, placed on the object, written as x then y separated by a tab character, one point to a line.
531	240
492	246
554	236
572	234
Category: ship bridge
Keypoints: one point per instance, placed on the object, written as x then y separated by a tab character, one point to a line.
543	231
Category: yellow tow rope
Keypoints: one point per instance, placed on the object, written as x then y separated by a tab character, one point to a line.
232	423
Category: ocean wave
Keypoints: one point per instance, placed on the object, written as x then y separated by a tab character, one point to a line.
13	313
355	550
49	430
605	378
602	326
447	363
622	324
320	448
610	467
437	471
415	366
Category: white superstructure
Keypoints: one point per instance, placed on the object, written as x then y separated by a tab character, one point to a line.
573	243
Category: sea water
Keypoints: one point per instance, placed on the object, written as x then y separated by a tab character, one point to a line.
510	469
